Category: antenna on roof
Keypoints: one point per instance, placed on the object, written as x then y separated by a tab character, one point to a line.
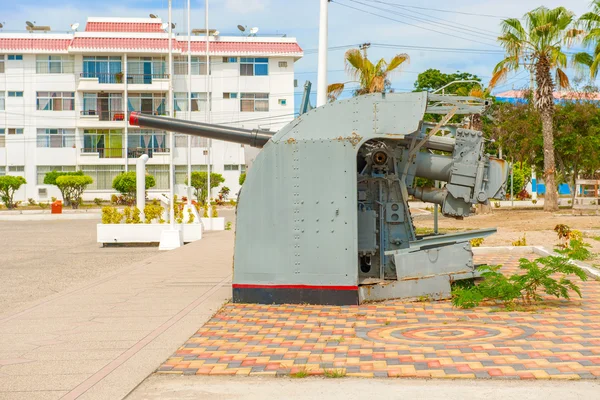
164	25
241	28
30	24
2	25
153	16
253	31
75	26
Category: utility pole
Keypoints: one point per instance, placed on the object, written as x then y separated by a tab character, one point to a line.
364	48
533	175
208	115
322	67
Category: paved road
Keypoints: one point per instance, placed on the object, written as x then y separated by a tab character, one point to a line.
249	388
100	339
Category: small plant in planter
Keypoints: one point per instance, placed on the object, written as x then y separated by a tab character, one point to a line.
98	201
534	201
521	241
31	202
477	242
497	204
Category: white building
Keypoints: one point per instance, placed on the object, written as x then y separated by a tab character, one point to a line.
65	99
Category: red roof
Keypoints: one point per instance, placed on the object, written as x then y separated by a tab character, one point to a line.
147	27
243	47
197	47
564	95
121	43
8	44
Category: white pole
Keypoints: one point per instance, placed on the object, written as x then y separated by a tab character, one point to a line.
322	68
140	183
189	138
533	184
208	113
171	109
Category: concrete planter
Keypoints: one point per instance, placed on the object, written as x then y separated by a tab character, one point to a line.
213	224
143	233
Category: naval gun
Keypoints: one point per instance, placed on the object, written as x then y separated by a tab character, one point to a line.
323	216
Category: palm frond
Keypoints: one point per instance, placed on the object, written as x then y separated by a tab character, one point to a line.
397	61
562	80
334	91
498	76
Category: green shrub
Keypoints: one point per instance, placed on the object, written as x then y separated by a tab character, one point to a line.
125	183
477	242
228	226
242	179
521	241
98	201
526	286
72	187
191	216
199	184
215	212
51	177
153	211
576	249
31	202
8	186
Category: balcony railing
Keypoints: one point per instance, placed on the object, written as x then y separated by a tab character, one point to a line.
104	77
135	152
104	152
144	79
154	112
104	115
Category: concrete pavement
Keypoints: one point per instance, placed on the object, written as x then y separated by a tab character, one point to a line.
255	388
101	339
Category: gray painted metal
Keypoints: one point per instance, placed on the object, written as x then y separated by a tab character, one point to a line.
325	203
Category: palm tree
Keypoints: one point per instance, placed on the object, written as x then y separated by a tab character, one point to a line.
590	22
538	44
372	78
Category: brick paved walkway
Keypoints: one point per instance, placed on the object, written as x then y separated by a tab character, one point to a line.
395	339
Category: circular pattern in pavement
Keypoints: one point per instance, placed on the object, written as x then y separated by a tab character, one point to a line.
451	334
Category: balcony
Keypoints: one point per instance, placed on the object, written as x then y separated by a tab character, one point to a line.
104	115
148	82
135	152
97	81
103	152
101	118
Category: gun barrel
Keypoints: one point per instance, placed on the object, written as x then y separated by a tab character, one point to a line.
250	137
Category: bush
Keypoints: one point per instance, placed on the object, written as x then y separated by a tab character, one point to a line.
154	211
8	186
110	215
518	181
125	183
520	241
199	184
477	242
72	187
242	179
526	286
31	202
51	177
98	201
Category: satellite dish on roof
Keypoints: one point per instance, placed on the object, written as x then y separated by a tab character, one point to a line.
164	26
241	28
215	33
1	25
173	25
29	24
75	26
253	31
153	16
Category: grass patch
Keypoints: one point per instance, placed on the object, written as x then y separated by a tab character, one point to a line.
596	238
303	373
334	373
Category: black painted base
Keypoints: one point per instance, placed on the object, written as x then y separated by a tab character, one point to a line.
295	296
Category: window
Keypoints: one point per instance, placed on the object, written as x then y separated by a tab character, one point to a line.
56	101
243	169
107	143
1	63
146	141
17	170
2	138
15	94
196	141
2	170
254	66
181	101
15	57
282	102
230	95
231	167
254	102
55	137
42	170
180	65
107	106
160	174
106	69
15	131
229	59
147	103
2	102
102	175
54	64
282	64
142	70
181	172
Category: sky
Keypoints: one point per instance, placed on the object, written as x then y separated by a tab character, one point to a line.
463	39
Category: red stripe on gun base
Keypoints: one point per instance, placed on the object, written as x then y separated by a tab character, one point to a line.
134	118
251	286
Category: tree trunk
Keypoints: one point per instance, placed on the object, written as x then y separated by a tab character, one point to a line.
544	102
